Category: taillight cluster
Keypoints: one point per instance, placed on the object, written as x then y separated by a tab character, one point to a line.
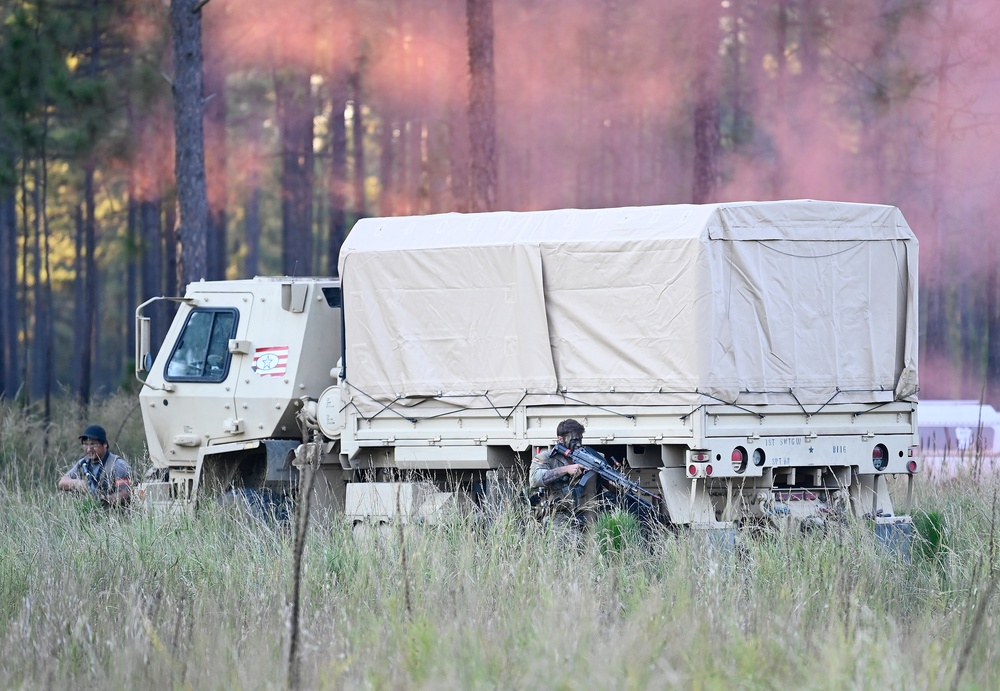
698	470
700	461
880	457
739	458
700	465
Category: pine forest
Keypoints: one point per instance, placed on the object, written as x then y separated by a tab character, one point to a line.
144	145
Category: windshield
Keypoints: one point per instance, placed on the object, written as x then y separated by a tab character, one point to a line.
202	349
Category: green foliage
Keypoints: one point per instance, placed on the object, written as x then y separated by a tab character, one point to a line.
616	531
930	531
32	78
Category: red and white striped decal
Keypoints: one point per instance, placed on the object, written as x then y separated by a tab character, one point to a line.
271	361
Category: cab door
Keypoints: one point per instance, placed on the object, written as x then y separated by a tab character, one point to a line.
200	375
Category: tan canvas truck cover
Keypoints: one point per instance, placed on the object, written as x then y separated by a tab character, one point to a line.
750	302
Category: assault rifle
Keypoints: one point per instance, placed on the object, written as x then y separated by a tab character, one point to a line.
89	475
593	461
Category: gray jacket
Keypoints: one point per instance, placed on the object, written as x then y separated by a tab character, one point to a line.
111	472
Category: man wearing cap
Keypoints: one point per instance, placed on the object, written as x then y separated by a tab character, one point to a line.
100	473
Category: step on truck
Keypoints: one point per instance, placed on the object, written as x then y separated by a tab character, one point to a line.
748	363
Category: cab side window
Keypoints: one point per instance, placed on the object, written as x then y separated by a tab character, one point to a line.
202	349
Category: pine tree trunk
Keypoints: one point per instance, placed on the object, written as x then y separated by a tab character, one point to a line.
936	279
37	351
171	272
43	370
482	108
458	157
338	169
23	284
151	234
388	200
79	298
190	142
133	257
47	331
216	183
705	174
9	381
358	145
86	335
251	215
293	96
992	375
249	181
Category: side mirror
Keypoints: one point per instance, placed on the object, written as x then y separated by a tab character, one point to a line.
143	356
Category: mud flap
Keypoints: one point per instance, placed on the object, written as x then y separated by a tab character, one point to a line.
719	538
279	461
263	505
384	502
895	534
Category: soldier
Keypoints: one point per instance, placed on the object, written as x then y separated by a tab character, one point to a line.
100	473
558	482
572	490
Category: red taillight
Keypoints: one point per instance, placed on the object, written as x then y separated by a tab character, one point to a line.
739	459
912	466
708	469
880	457
692	470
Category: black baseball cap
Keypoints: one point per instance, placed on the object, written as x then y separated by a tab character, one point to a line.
95	432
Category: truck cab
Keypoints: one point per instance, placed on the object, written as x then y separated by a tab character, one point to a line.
220	397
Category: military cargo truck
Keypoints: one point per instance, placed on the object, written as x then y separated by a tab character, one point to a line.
747	362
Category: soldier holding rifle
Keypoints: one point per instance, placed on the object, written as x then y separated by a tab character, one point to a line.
555	482
572	479
100	473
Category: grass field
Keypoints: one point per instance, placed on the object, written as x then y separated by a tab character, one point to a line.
96	600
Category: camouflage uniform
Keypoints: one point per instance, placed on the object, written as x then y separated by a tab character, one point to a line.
559	494
541	464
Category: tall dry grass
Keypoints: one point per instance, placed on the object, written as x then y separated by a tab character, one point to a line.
91	599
